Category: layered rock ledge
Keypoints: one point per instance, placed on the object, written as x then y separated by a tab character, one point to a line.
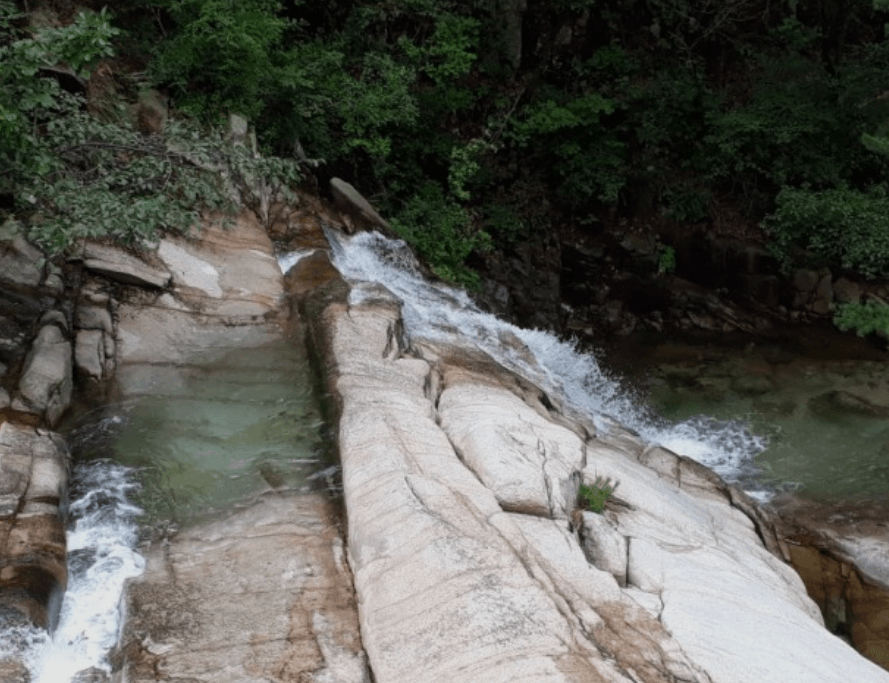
468	556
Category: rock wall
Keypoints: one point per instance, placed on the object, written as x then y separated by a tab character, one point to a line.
467	547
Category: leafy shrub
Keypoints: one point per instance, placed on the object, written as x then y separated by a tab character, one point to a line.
74	176
569	135
840	227
595	495
866	318
221	57
105	180
441	231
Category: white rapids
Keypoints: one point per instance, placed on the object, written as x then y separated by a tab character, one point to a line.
435	311
101	538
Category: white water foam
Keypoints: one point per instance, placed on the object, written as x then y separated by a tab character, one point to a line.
101	556
437	312
290	259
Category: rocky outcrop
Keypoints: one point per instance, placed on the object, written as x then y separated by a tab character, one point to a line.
262	595
47	378
119	265
225	293
460	485
33	481
842	554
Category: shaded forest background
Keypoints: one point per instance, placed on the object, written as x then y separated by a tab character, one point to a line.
476	125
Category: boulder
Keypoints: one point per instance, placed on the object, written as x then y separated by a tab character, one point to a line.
351	203
117	264
21	264
89	354
46	382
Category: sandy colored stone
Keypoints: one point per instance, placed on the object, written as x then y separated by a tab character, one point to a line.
459	581
262	595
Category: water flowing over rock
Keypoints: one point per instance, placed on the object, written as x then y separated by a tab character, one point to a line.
460	485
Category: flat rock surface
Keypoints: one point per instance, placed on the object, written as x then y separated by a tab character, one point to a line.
226	294
263	595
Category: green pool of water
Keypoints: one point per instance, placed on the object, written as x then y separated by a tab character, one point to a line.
827	420
209	435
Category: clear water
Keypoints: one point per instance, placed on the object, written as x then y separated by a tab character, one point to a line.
189	441
825	422
211	435
437	312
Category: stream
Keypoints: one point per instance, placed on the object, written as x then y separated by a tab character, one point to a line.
202	439
214	434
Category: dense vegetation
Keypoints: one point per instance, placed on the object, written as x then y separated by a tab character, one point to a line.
475	124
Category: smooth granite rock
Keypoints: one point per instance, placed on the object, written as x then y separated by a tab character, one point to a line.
467	555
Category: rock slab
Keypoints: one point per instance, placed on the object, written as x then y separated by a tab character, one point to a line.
467	559
261	596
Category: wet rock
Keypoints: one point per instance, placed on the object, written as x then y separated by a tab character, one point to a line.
33	482
93	318
485	579
846	291
310	272
822	303
46	382
752	384
13	670
805	280
840	403
89	354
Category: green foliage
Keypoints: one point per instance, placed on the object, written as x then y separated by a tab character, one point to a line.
841	227
666	260
220	58
442	233
791	132
569	135
866	318
74	176
28	96
596	495
108	181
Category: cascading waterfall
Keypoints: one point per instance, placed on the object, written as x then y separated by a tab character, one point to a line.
101	539
437	312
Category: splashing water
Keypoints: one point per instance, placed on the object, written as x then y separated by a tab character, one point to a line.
436	312
101	557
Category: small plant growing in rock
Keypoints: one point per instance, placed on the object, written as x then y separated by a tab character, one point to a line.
597	494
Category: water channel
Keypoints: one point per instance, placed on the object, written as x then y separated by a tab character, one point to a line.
201	439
